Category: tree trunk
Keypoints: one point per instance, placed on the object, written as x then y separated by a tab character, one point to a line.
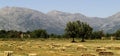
83	39
73	40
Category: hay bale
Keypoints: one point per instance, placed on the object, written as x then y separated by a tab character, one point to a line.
49	46
51	52
10	45
66	54
52	43
20	47
100	49
36	46
117	48
109	47
88	54
8	53
63	48
28	43
113	47
102	38
68	45
106	54
39	46
112	38
81	48
56	45
32	54
59	48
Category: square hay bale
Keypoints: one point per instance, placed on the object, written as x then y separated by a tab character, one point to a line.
102	38
106	54
48	46
113	38
81	48
19	47
36	46
63	54
56	45
62	48
68	45
117	48
32	54
113	47
8	53
88	54
100	49
109	47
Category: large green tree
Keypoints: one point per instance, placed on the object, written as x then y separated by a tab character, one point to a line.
71	30
78	29
83	30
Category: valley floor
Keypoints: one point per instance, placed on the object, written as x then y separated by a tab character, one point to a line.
57	47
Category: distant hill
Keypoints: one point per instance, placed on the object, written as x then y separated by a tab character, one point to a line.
24	19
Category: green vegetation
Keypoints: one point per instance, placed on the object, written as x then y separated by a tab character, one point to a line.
39	33
78	29
97	35
75	30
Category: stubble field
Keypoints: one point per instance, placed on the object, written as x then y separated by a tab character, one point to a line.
60	47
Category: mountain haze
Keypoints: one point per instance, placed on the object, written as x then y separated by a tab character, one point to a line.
24	19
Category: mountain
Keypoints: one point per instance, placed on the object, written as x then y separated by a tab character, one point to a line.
24	19
112	23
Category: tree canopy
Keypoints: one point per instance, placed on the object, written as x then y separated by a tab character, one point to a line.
78	29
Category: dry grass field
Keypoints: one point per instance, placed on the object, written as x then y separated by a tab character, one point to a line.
63	47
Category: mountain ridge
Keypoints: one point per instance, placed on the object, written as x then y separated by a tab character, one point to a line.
25	19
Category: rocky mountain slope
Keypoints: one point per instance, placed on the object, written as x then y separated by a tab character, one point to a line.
24	19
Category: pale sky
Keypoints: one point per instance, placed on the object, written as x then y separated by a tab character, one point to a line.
92	8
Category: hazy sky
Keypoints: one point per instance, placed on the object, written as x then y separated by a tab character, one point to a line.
92	8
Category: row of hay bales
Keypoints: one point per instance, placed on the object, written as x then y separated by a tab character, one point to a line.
16	47
101	51
111	47
11	53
